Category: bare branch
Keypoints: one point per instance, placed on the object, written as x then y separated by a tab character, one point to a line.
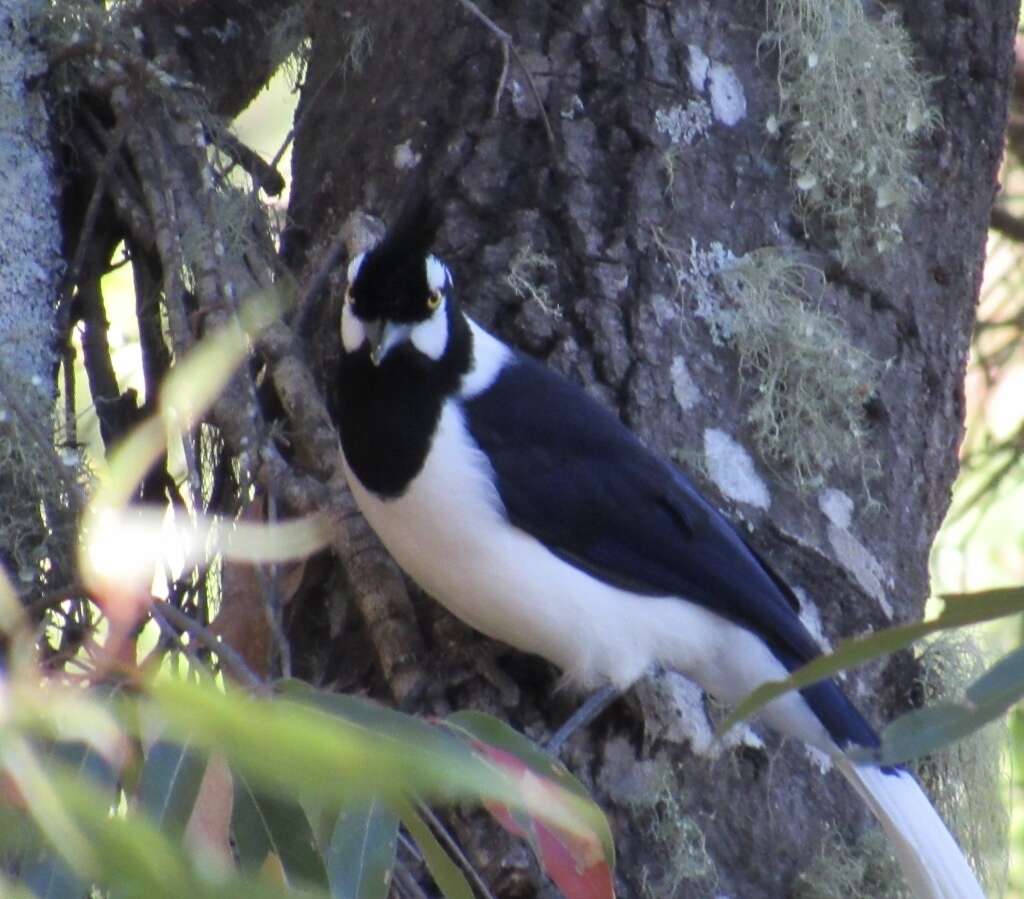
509	47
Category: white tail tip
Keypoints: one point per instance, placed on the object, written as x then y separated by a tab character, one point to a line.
932	862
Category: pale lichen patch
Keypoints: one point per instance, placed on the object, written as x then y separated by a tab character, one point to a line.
684	124
697	68
730	466
837	507
405	157
810	617
675	709
728	101
683	387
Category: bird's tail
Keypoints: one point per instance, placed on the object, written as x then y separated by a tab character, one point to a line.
932	863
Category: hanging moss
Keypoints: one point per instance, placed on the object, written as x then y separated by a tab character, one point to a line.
679	839
845	869
852	106
809	381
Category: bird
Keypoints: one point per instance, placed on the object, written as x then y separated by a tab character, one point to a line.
528	509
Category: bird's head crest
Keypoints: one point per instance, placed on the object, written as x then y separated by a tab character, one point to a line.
398	279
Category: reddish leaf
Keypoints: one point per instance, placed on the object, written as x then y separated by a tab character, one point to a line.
580	863
208	833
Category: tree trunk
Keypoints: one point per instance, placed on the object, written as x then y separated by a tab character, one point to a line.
34	533
594	248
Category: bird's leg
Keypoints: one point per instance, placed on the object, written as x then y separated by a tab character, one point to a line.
596	703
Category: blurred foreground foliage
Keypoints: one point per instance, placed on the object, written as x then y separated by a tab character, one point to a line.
175	777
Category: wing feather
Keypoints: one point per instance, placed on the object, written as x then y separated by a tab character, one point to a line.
570	474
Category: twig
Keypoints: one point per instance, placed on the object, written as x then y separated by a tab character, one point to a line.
265	174
70	279
407	883
172	635
229	657
273	602
70	421
1005	223
506	39
453	849
502	78
54	598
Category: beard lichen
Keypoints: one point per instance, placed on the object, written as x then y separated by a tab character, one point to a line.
809	381
852	106
847	868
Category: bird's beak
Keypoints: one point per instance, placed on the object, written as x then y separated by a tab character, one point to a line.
384	336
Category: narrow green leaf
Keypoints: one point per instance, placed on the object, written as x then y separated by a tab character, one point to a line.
361	855
1002	683
51	878
11	890
45	873
169	784
449	879
123	852
960	610
262	824
926	730
339	757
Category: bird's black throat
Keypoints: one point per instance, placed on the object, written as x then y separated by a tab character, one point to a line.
387	414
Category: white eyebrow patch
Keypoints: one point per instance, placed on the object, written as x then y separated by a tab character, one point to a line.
430	337
354	266
438	276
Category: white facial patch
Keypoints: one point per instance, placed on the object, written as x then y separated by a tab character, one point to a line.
353	333
430	337
439	279
353	268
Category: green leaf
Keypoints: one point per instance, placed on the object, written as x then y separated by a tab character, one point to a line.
126	852
361	854
11	890
46	873
339	750
262	824
449	879
961	610
51	878
926	730
169	784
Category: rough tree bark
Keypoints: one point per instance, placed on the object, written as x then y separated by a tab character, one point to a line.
652	158
30	279
389	88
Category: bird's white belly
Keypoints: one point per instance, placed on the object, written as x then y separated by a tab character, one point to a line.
449	532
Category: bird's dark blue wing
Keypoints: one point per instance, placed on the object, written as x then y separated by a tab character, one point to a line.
570	474
573	476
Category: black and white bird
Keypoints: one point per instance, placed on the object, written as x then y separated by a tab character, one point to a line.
535	516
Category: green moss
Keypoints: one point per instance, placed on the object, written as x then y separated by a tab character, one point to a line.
679	840
852	106
809	381
845	869
968	780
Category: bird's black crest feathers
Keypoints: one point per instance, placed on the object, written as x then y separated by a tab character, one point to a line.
392	281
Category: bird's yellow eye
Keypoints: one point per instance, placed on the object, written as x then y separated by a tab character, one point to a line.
434	300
